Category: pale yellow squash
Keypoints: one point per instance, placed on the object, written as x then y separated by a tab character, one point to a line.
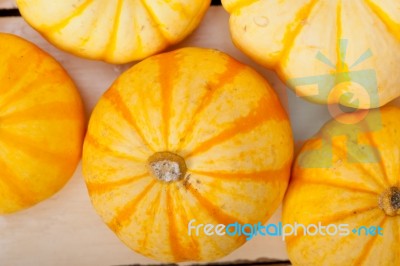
41	125
334	51
220	132
114	31
349	174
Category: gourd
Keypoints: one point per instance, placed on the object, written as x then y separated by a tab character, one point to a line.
328	52
189	134
41	125
114	31
348	174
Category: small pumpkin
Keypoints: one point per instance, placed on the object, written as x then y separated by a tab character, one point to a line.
329	52
348	176
41	125
189	134
114	31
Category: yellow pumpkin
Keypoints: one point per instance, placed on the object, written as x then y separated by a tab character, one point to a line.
189	134
41	125
331	52
348	176
113	31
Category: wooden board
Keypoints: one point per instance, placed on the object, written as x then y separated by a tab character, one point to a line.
5	4
65	230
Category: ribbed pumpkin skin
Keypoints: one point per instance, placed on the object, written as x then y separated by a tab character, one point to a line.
41	125
347	193
227	124
114	31
293	36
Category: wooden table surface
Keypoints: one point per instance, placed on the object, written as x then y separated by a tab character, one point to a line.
65	230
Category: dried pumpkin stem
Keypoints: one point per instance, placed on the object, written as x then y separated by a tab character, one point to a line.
389	201
167	166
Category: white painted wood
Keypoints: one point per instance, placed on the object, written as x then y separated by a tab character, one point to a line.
65	230
7	4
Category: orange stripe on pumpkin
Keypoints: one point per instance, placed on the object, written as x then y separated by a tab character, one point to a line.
340	151
22	88
353	187
37	152
177	249
112	41
337	217
48	111
216	212
91	32
155	20
340	67
137	27
390	24
213	210
378	157
260	176
232	70
152	211
294	30
66	21
168	66
21	84
126	212
240	4
242	125
17	187
192	246
113	96
369	244
92	141
97	188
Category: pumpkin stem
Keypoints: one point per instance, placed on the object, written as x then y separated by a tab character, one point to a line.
167	166
389	201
